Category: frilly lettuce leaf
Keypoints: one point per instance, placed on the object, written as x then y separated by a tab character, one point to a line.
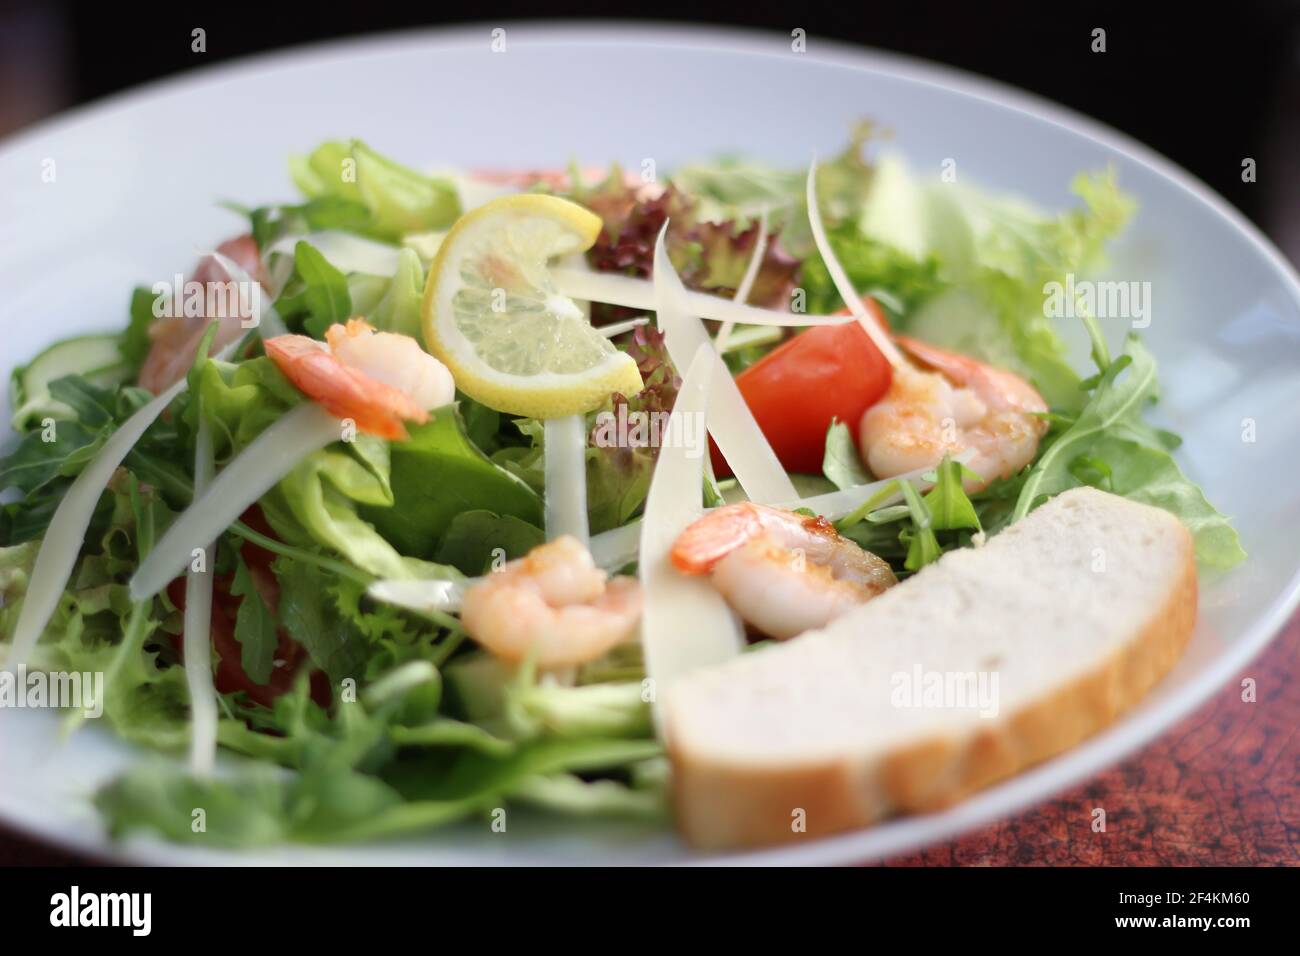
991	257
737	190
240	400
97	629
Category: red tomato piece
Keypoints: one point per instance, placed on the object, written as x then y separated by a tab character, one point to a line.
825	372
230	676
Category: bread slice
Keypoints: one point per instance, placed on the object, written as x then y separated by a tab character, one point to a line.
1068	617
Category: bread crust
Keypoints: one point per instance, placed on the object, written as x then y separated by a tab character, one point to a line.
733	806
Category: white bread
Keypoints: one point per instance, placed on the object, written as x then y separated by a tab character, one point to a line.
1078	610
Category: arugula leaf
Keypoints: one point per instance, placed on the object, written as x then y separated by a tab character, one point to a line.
135	343
46	458
334	644
334	796
1110	444
93	405
841	463
258	807
322	293
1113	401
269	223
34	463
350	787
255	627
946	502
922	546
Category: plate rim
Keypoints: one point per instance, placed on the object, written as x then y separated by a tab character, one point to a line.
1001	801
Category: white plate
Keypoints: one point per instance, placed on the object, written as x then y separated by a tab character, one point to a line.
133	201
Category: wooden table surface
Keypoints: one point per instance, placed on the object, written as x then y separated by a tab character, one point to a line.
1221	788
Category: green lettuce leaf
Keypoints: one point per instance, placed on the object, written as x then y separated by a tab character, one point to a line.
1109	445
323	492
346	783
308	613
398	199
400	308
512	702
992	256
473	538
569	794
240	400
316	295
437	474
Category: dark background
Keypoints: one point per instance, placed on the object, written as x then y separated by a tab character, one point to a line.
1205	84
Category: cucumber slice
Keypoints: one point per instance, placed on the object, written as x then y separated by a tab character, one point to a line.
97	357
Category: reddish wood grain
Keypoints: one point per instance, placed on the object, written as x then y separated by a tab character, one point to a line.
1221	788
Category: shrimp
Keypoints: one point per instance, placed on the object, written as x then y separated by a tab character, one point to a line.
553	604
783	573
955	406
175	339
377	379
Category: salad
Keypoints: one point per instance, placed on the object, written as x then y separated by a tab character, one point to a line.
416	494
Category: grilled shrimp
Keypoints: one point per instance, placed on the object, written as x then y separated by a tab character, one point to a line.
955	406
377	379
175	339
555	604
783	573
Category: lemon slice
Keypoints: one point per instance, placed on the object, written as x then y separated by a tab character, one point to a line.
493	316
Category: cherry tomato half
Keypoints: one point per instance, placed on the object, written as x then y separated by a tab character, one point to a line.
825	372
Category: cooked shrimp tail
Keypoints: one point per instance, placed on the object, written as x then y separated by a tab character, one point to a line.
952	405
377	379
783	573
553	606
